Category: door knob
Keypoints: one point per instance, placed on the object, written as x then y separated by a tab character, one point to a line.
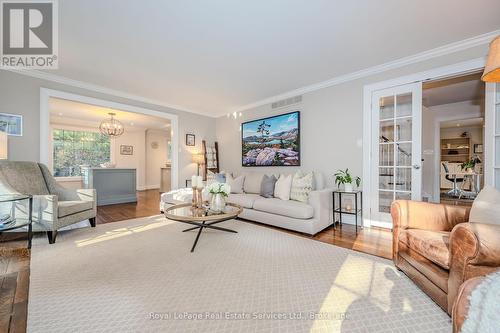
416	166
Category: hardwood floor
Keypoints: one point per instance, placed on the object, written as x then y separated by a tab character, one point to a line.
15	258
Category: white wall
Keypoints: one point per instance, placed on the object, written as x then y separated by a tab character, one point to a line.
155	158
136	139
20	94
431	119
331	122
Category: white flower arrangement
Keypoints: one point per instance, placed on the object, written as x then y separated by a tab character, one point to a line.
219	188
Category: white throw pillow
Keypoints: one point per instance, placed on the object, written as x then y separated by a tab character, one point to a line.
236	184
253	180
301	186
283	187
486	207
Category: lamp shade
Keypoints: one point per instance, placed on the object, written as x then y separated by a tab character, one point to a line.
492	69
198	158
4	147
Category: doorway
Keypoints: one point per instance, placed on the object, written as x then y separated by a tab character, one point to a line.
386	180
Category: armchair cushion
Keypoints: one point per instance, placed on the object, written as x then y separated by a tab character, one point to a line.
433	245
66	208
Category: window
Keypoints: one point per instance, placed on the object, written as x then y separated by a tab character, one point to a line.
74	150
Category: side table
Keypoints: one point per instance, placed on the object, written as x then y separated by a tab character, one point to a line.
356	210
17	223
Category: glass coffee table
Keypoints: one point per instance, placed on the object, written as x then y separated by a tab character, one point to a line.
202	218
13	223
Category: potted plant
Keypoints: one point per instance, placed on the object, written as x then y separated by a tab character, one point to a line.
470	164
345	178
219	192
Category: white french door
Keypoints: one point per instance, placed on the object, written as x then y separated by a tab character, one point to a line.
396	149
492	135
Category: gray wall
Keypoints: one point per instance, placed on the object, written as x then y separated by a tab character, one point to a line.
20	94
331	122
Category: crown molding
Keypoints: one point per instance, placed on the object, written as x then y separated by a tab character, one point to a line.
100	89
419	57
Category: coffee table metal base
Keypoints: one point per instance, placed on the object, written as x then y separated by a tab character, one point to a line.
204	225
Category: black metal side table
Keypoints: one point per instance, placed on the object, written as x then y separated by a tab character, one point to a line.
17	223
356	210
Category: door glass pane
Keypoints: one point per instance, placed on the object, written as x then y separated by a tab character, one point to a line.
403	105
403	153
387	131
403	179
497	118
497	151
385	199
387	107
403	129
497	179
403	196
498	93
386	178
386	154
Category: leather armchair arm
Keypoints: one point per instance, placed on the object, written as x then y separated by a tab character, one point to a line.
474	251
408	214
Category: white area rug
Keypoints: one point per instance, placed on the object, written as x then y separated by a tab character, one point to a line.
139	276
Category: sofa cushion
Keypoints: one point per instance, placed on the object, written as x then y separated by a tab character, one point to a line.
267	186
236	183
294	209
302	185
65	208
253	180
282	187
244	200
433	245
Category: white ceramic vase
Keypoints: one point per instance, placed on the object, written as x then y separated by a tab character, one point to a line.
217	203
348	187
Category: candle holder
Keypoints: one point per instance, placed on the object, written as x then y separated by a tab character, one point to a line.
194	200
199	198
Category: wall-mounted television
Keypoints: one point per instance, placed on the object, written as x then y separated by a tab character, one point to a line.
272	141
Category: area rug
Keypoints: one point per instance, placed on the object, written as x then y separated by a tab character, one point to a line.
140	276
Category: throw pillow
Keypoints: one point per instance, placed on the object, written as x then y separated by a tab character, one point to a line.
220	177
282	187
486	207
253	181
267	186
301	186
236	184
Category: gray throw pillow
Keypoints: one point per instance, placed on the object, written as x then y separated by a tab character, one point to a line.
267	186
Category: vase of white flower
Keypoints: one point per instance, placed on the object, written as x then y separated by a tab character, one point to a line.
219	192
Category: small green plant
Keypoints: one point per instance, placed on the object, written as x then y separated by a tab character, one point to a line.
470	164
344	177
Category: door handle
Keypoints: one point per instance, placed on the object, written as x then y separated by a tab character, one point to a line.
416	166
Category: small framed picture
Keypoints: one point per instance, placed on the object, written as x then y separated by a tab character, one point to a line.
190	140
126	150
12	124
478	148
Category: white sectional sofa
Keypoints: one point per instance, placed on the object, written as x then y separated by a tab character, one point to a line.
309	218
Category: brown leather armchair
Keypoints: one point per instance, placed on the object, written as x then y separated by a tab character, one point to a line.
438	249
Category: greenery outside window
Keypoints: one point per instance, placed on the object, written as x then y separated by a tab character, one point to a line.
74	150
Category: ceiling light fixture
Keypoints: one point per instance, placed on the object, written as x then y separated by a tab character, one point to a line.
111	127
492	69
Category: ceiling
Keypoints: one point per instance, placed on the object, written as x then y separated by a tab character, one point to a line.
473	122
75	113
216	56
453	90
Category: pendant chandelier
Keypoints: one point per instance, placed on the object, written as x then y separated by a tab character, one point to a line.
111	127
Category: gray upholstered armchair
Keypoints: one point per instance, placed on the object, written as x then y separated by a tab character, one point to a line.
54	206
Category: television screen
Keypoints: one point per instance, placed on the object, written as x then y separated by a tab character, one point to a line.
273	141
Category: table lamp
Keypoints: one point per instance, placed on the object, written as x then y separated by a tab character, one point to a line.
199	159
